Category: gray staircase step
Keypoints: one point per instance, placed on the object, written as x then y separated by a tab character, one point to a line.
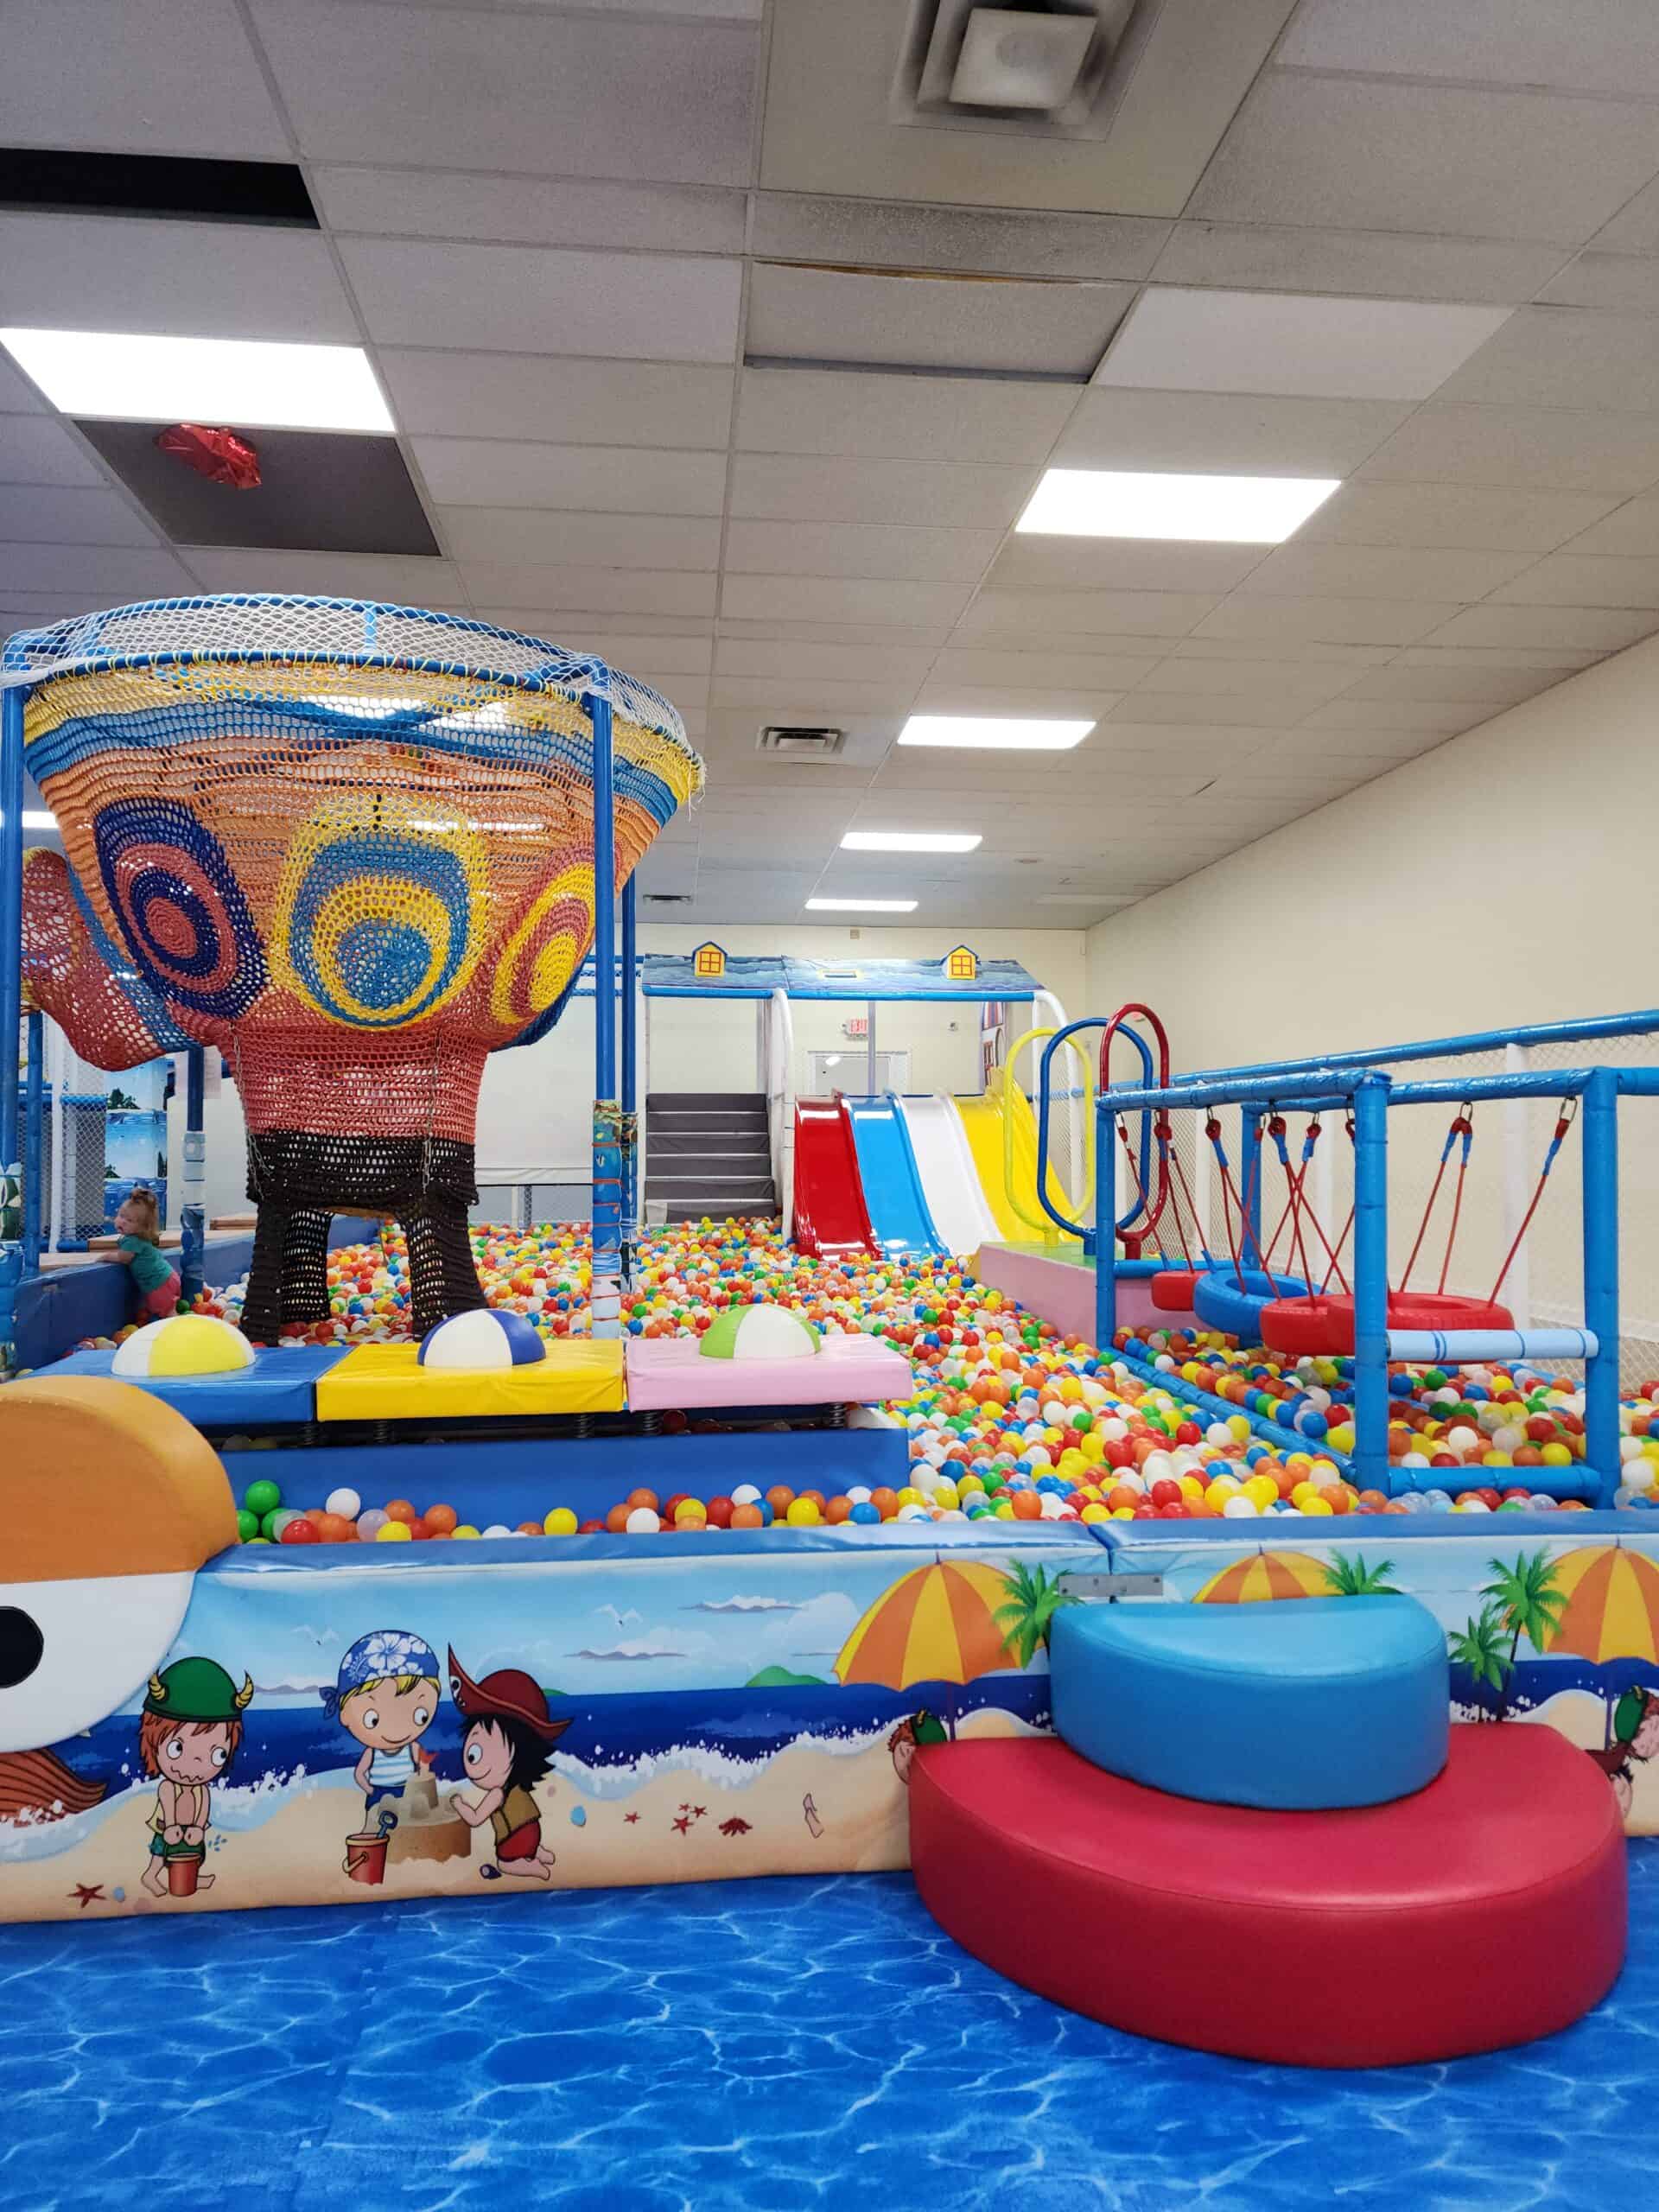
700	1144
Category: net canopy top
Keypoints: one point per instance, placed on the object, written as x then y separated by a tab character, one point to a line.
251	627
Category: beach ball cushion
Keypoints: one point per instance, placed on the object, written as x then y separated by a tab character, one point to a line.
768	1332
185	1344
481	1343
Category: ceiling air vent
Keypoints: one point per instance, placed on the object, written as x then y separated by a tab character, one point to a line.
668	899
1051	68
802	741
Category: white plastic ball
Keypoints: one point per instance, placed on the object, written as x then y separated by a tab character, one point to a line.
345	1503
642	1521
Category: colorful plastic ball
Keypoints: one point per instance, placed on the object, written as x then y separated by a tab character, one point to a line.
262	1497
247	1525
865	1514
345	1503
370	1524
441	1521
642	1521
561	1522
803	1513
393	1532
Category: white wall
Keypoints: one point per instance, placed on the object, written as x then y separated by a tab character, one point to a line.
1508	876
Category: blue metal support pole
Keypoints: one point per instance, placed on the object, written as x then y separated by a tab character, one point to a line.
630	1076
1249	1183
33	1144
1371	1283
1599	1123
608	1121
193	1245
11	988
1105	1237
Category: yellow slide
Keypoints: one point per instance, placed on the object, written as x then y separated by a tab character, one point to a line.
989	1138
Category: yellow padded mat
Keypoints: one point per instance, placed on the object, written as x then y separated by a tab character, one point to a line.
387	1382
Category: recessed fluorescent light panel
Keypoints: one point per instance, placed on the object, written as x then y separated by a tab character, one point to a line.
125	377
35	818
909	840
1218	510
861	905
994	733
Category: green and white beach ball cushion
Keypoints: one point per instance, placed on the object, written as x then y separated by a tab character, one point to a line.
760	1332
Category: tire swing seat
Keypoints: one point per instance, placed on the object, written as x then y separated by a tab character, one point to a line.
1323	1323
1233	1300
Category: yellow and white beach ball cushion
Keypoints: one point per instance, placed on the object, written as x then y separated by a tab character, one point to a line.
185	1344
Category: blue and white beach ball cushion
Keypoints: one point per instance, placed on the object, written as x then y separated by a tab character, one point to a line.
481	1343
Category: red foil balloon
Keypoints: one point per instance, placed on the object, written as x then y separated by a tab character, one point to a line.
219	455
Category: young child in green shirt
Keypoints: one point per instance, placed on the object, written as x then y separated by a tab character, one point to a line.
137	1224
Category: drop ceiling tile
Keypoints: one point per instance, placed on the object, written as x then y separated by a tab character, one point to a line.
1252	679
788	488
37	449
1603	629
1560	660
1491	687
1356	154
618	479
949	696
1328	622
1034	672
1606	280
829	314
530	210
1375	748
1297	570
908	234
1635	229
47	514
1383	264
530	586
1297	650
930	637
580	403
99	575
837	598
580	96
1584	579
410	578
672	656
1253	710
580	631
1597	46
1234	434
831	548
1040	562
1443	718
1292	345
1566	356
810	698
1017	615
1632	530
1522	448
913	417
891	664
521	299
84	272
1454	515
600	541
147	77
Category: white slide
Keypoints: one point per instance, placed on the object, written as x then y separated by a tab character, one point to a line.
950	1183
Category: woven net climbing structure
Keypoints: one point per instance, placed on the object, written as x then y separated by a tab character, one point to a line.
349	846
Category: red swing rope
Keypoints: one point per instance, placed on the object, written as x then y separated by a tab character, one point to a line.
1241	1199
1296	1179
1565	1116
1192	1210
1463	1125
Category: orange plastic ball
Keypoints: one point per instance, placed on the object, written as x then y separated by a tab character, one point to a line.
441	1520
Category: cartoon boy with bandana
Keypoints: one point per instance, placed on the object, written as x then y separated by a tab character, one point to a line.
385	1698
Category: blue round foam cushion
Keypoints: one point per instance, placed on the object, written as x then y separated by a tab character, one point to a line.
1296	1703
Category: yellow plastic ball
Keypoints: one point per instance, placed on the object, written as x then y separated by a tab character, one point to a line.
561	1522
465	1529
803	1513
393	1532
1316	1505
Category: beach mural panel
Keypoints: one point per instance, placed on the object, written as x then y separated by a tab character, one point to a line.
530	1717
1555	1629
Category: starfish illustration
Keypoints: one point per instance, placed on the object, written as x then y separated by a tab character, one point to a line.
734	1827
685	1808
697	1812
630	1816
85	1893
683	1825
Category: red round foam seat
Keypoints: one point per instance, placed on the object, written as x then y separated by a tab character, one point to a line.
1172	1289
1487	1909
1323	1322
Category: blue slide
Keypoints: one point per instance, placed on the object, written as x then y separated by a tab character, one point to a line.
892	1188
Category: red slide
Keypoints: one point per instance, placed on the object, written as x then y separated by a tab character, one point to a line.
830	1220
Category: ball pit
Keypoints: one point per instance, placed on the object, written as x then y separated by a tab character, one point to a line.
1010	1420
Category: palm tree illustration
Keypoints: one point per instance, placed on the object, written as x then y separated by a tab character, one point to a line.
1353	1578
1480	1647
1528	1603
1027	1613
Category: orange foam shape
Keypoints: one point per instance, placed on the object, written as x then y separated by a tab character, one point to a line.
98	1478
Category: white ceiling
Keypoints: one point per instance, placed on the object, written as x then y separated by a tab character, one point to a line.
699	361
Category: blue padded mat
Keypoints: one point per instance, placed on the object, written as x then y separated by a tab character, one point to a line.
279	1388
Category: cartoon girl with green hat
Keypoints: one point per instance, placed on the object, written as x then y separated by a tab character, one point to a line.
188	1735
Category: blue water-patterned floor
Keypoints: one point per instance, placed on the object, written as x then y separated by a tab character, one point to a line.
771	2045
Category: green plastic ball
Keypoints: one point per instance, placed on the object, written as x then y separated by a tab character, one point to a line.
247	1525
262	1496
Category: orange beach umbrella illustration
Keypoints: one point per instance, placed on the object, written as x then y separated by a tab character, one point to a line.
1612	1605
1267	1574
936	1624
